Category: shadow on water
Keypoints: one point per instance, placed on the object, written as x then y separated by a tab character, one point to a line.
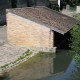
45	66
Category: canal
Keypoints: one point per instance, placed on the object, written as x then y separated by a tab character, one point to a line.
46	66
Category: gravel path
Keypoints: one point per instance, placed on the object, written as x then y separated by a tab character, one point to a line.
10	53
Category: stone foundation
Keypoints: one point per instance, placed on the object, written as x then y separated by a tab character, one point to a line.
43	49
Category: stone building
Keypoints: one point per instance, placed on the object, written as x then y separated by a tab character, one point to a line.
35	26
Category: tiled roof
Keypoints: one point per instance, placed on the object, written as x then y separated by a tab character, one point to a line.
54	20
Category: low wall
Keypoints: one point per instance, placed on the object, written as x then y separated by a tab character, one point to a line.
42	49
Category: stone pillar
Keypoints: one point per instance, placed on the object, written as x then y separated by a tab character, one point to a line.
59	3
67	7
77	9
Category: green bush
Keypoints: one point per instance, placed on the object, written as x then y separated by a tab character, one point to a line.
55	7
75	42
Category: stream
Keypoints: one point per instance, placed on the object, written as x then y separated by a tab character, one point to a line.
46	66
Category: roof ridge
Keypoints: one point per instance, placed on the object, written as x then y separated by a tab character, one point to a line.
46	16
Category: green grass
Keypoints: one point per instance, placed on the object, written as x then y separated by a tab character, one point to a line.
27	53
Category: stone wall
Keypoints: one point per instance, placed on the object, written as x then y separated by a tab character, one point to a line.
24	32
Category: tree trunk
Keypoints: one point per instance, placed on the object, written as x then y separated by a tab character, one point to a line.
14	3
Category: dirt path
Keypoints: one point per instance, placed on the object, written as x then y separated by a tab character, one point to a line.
68	13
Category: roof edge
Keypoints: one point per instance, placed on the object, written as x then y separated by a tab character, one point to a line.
52	28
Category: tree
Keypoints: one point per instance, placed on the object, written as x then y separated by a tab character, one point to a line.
73	2
14	3
75	42
28	2
55	7
70	2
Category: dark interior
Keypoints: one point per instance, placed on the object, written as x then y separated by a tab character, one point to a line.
61	41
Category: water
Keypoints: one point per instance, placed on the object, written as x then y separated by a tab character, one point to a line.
45	66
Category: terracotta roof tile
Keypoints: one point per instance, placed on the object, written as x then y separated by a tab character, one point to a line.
55	20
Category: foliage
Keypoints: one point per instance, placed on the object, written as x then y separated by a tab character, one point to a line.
55	7
64	1
75	42
14	3
70	2
77	16
73	2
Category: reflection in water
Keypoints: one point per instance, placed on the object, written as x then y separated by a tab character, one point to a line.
36	67
70	74
74	76
44	66
74	73
7	78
